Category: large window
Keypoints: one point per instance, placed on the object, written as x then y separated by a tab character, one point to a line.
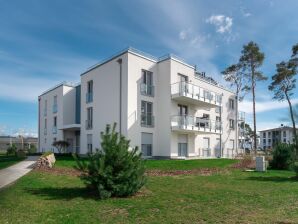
231	104
89	143
147	87
182	145
264	135
89	95
55	105
232	124
89	121
147	114
284	134
147	142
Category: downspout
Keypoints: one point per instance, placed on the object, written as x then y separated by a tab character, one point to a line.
120	96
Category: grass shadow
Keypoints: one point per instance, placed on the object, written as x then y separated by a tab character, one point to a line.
52	193
274	179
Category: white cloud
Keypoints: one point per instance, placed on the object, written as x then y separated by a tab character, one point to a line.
222	23
264	106
182	35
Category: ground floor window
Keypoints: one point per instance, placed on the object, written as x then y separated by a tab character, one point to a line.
182	149
89	143
147	142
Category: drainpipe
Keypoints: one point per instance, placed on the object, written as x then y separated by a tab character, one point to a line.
120	96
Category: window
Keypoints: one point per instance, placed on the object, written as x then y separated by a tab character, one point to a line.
269	141
232	124
264	135
45	141
183	78
217	123
45	107
264	141
89	94
55	107
231	104
147	87
217	109
45	126
284	134
55	125
54	140
285	140
147	114
89	143
55	121
231	144
269	134
89	121
147	142
182	145
182	110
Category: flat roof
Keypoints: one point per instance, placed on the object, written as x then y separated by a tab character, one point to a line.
64	83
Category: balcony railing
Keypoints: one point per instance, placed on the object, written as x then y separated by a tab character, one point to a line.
55	108
190	123
241	116
89	124
195	92
89	97
147	90
147	120
54	130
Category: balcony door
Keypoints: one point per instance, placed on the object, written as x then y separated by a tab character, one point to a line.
183	112
206	147
182	145
147	83
183	79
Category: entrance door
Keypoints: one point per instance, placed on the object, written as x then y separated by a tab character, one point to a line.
206	147
182	146
70	142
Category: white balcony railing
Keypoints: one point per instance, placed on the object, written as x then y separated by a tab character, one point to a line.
195	92
190	123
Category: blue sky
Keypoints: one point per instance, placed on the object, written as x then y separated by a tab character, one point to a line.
45	42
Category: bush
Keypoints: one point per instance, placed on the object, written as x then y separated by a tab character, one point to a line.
283	157
296	169
12	150
32	149
21	153
114	170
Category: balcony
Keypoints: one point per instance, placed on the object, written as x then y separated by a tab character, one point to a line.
147	120
89	124
185	92
192	124
147	90
241	116
54	130
55	108
89	97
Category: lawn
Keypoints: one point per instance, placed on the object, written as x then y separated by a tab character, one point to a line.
6	161
231	197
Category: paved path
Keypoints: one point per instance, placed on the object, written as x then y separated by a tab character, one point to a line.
14	172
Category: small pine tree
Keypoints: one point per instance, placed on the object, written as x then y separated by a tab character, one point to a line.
114	170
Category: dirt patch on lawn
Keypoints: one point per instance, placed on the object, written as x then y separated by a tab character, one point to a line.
59	171
198	172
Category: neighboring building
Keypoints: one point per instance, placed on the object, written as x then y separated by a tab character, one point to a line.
20	142
270	137
163	105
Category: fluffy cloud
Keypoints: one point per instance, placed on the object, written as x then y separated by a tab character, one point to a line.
222	23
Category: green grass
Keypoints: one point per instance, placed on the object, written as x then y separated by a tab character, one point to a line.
6	161
233	197
67	161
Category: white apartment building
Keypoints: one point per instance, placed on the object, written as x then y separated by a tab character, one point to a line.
163	105
270	137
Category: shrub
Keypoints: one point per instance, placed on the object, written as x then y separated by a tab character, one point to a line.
296	169
12	150
283	157
21	153
32	149
114	170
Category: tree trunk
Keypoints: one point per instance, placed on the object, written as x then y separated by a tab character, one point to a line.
254	106
293	122
237	128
